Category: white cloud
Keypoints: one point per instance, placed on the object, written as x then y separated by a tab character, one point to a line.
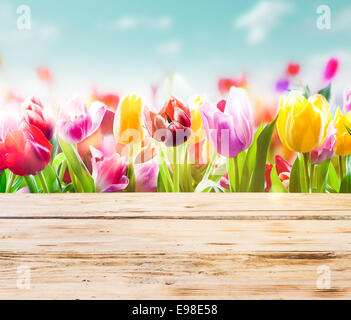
128	23
169	48
261	19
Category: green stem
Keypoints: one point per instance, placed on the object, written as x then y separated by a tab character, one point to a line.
43	182
63	170
307	177
31	186
237	183
341	168
9	185
175	170
312	167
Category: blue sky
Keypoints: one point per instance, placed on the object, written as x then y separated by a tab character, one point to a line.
128	44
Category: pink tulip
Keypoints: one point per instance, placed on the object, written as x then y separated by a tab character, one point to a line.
331	69
77	123
347	100
146	175
146	168
109	173
326	150
224	181
34	113
229	131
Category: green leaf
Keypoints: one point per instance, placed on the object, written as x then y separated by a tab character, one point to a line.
263	142
307	92
294	182
326	92
333	180
58	161
164	174
51	179
3	181
322	176
208	185
348	129
76	165
277	185
249	163
31	183
345	186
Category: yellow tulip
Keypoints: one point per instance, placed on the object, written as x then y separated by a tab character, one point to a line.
302	124
343	138
127	127
197	130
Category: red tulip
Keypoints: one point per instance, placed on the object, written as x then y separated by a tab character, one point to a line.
25	151
268	182
171	125
34	113
224	84
111	100
293	69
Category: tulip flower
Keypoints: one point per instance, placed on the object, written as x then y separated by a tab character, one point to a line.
197	130
326	150
34	113
229	131
283	169
224	84
127	123
110	99
331	69
172	125
302	124
77	123
347	100
146	168
268	180
224	181
293	69
282	85
109	173
25	151
343	138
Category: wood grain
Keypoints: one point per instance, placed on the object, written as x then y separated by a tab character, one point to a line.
175	246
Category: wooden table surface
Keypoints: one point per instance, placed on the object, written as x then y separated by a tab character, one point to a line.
175	246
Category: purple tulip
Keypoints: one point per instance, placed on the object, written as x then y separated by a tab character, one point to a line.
282	85
77	123
326	150
347	100
229	131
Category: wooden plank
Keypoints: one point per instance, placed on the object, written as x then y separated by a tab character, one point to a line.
126	246
244	206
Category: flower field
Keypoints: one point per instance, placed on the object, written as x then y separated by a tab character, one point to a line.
109	143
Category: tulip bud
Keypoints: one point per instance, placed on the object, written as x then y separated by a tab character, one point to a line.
326	150
172	125
343	138
77	123
302	124
34	113
109	173
127	123
347	100
229	131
